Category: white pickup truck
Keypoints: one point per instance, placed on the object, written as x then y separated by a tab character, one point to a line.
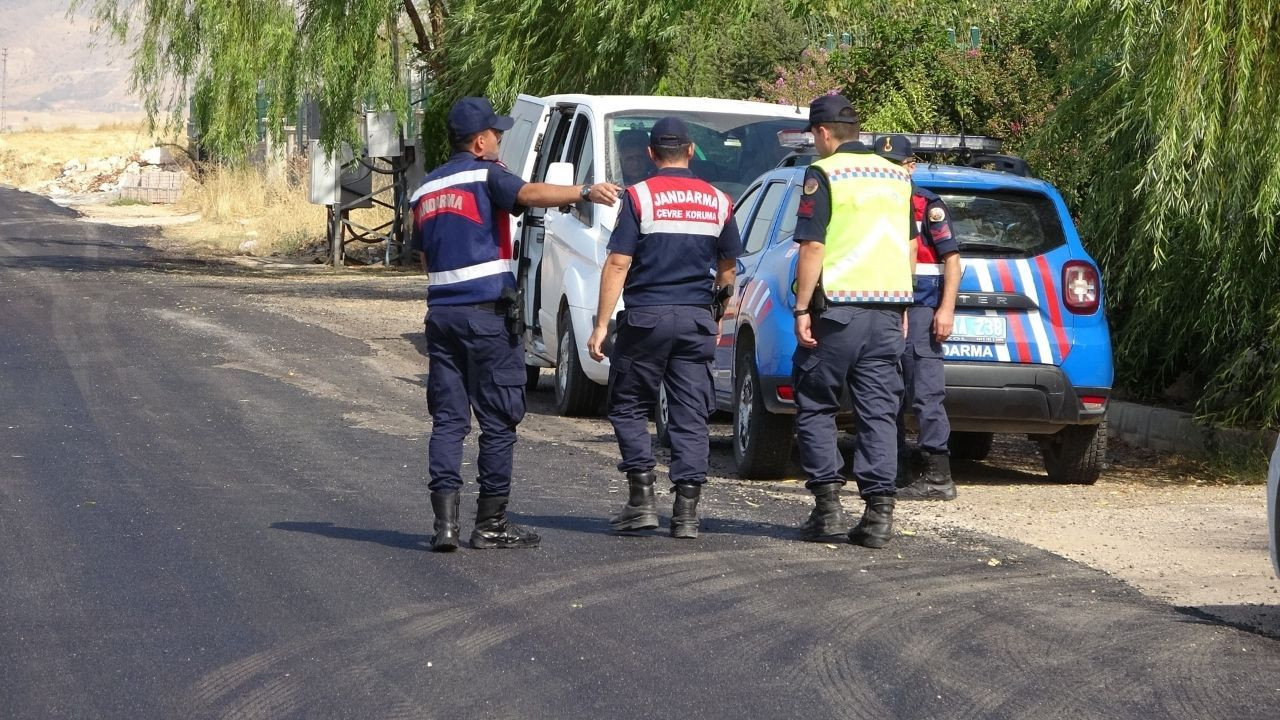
575	139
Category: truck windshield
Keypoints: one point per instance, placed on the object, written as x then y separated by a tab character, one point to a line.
1003	223
732	150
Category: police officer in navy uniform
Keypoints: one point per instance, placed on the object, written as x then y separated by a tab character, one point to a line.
854	231
462	219
673	231
930	320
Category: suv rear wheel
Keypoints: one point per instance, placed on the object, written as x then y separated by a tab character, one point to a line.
1075	454
576	394
970	445
662	417
761	439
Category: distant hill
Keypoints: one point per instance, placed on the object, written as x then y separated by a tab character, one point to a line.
59	73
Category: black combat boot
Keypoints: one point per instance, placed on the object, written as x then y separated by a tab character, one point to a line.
684	512
934	482
876	526
445	506
827	517
494	531
640	512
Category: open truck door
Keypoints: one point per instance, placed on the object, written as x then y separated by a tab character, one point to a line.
520	153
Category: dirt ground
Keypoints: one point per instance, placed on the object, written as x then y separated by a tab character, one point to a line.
1167	526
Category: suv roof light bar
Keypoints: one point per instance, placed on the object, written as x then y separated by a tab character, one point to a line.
931	143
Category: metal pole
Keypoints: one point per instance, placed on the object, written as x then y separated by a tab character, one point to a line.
4	82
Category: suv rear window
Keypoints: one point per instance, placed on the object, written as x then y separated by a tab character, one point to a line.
732	150
1003	222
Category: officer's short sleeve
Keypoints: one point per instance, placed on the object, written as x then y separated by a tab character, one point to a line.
729	244
937	219
504	187
813	214
626	234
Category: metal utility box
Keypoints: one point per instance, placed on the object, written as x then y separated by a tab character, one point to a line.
382	134
334	173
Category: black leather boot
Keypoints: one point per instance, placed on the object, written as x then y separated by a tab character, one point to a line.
827	517
684	512
934	483
445	506
641	511
876	526
494	531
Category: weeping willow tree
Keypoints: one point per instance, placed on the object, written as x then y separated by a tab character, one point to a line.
1176	117
228	56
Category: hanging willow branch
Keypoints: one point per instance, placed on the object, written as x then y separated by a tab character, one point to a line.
1175	111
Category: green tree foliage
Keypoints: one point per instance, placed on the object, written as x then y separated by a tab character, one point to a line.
711	58
1170	137
225	54
904	73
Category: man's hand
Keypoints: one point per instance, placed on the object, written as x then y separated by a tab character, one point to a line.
904	324
595	344
944	321
604	193
804	332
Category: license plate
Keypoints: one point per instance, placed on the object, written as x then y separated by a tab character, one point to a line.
978	329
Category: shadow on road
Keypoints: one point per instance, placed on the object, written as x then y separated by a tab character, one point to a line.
390	538
709	526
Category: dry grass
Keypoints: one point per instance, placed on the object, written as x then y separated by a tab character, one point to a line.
258	211
27	158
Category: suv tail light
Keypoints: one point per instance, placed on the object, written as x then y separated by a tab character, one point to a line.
1080	287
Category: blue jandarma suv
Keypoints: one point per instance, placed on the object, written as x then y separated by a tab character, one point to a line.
1031	351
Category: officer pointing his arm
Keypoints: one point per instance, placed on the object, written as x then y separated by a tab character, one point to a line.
854	230
931	316
461	217
672	230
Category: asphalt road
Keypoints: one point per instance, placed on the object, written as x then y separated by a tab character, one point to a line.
209	510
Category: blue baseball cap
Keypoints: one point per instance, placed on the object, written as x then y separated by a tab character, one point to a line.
893	147
831	108
471	115
669	132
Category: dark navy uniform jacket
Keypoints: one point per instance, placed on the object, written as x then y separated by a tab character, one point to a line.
931	222
461	219
674	226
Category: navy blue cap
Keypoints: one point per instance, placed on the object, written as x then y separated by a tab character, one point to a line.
831	108
669	132
471	115
893	147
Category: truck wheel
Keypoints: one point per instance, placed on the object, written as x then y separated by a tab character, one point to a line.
576	394
661	417
761	439
1075	454
970	445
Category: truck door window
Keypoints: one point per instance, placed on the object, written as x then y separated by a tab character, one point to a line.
582	154
762	223
742	211
514	151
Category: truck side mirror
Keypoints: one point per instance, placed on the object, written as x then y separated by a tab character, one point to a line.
560	173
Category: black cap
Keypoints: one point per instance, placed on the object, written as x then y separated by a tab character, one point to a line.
471	115
893	147
669	132
831	108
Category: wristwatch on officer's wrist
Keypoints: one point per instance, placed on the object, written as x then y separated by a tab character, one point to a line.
585	192
797	312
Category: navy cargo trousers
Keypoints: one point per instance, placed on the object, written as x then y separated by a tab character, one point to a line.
657	344
925	384
859	348
476	365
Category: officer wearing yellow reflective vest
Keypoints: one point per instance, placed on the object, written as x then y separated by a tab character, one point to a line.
856	245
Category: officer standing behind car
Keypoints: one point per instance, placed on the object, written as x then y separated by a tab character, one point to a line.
672	230
461	215
854	229
929	322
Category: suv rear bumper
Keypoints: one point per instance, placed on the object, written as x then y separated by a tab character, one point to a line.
996	397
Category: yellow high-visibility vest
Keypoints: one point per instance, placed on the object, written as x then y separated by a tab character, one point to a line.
867	257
